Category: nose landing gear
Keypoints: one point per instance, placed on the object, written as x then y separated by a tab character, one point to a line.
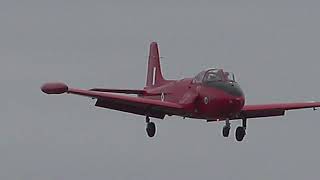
240	131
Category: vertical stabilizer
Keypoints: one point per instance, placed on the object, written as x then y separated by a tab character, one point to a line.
154	75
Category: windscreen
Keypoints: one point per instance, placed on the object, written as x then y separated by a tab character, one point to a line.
229	76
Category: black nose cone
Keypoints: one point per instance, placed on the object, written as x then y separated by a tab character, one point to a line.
231	88
234	89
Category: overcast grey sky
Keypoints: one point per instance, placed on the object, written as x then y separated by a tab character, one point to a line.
272	47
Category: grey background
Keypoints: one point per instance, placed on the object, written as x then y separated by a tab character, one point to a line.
272	46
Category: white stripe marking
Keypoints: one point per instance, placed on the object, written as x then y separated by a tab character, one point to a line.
154	76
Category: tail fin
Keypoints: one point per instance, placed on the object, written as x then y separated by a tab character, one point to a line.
154	75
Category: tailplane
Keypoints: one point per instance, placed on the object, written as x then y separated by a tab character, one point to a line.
154	75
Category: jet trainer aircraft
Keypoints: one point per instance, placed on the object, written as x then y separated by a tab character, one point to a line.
212	95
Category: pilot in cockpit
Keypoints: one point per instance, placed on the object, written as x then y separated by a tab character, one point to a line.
212	75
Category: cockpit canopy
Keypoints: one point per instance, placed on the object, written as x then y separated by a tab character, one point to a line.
213	75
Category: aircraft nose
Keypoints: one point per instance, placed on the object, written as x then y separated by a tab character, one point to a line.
236	103
234	89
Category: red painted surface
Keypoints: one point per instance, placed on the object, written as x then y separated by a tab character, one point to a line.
154	68
188	97
54	88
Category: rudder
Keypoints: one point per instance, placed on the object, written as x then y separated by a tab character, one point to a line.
154	75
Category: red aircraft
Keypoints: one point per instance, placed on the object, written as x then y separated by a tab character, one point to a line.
212	95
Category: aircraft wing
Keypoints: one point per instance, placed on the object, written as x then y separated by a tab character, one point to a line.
267	110
123	91
136	105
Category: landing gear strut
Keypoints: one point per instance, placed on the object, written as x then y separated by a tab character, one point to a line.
226	129
241	130
151	127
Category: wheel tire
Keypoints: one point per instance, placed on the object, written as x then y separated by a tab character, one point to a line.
240	133
151	129
225	131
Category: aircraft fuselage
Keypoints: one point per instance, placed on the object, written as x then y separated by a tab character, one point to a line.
217	101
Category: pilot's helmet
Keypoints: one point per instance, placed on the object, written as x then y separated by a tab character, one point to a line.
212	77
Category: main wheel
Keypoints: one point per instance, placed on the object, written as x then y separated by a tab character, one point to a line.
240	133
151	129
225	131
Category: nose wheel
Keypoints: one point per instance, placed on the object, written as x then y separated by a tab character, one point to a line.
150	128
240	131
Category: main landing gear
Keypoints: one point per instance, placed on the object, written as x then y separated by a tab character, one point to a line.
240	131
226	128
151	127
